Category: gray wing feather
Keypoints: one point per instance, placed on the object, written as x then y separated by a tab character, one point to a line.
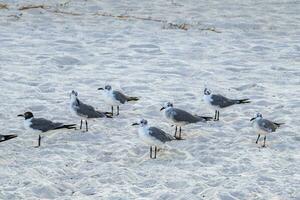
88	111
120	97
267	125
221	101
160	134
44	124
183	116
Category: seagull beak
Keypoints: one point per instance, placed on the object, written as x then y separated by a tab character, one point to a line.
100	88
252	119
135	124
20	115
162	108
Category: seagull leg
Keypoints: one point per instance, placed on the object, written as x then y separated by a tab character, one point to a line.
215	118
257	138
150	151
112	110
155	150
218	116
86	126
39	141
117	110
264	145
175	131
81	124
179	132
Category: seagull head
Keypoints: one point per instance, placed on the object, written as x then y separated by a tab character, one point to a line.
207	91
74	93
106	88
141	123
26	115
258	115
167	105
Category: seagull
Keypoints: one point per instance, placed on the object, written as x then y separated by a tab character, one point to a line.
42	125
6	137
218	101
84	111
115	98
263	127
152	136
180	117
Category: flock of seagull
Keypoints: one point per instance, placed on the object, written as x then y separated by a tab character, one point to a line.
153	136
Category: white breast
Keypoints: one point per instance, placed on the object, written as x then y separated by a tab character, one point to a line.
110	99
73	109
207	99
257	129
27	124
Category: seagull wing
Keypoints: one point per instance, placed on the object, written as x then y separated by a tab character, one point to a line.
88	111
221	101
44	124
267	125
183	116
160	134
120	96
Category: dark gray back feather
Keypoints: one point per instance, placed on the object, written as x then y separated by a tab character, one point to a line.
44	124
221	101
87	110
160	134
267	125
120	96
183	116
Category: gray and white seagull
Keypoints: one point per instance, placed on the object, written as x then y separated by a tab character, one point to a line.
115	98
152	136
6	137
218	102
42	125
263	127
180	117
84	111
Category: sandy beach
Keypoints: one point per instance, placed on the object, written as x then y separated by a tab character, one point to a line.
158	51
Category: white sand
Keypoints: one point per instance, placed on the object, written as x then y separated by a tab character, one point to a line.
43	56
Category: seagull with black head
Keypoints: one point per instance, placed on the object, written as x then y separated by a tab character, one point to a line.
42	125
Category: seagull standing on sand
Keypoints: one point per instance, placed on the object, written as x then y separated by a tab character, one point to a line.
84	111
42	125
180	117
115	98
263	127
152	136
6	137
217	102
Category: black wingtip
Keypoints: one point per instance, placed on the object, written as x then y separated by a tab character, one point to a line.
178	138
242	101
132	99
108	115
278	124
67	126
7	137
208	118
70	126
